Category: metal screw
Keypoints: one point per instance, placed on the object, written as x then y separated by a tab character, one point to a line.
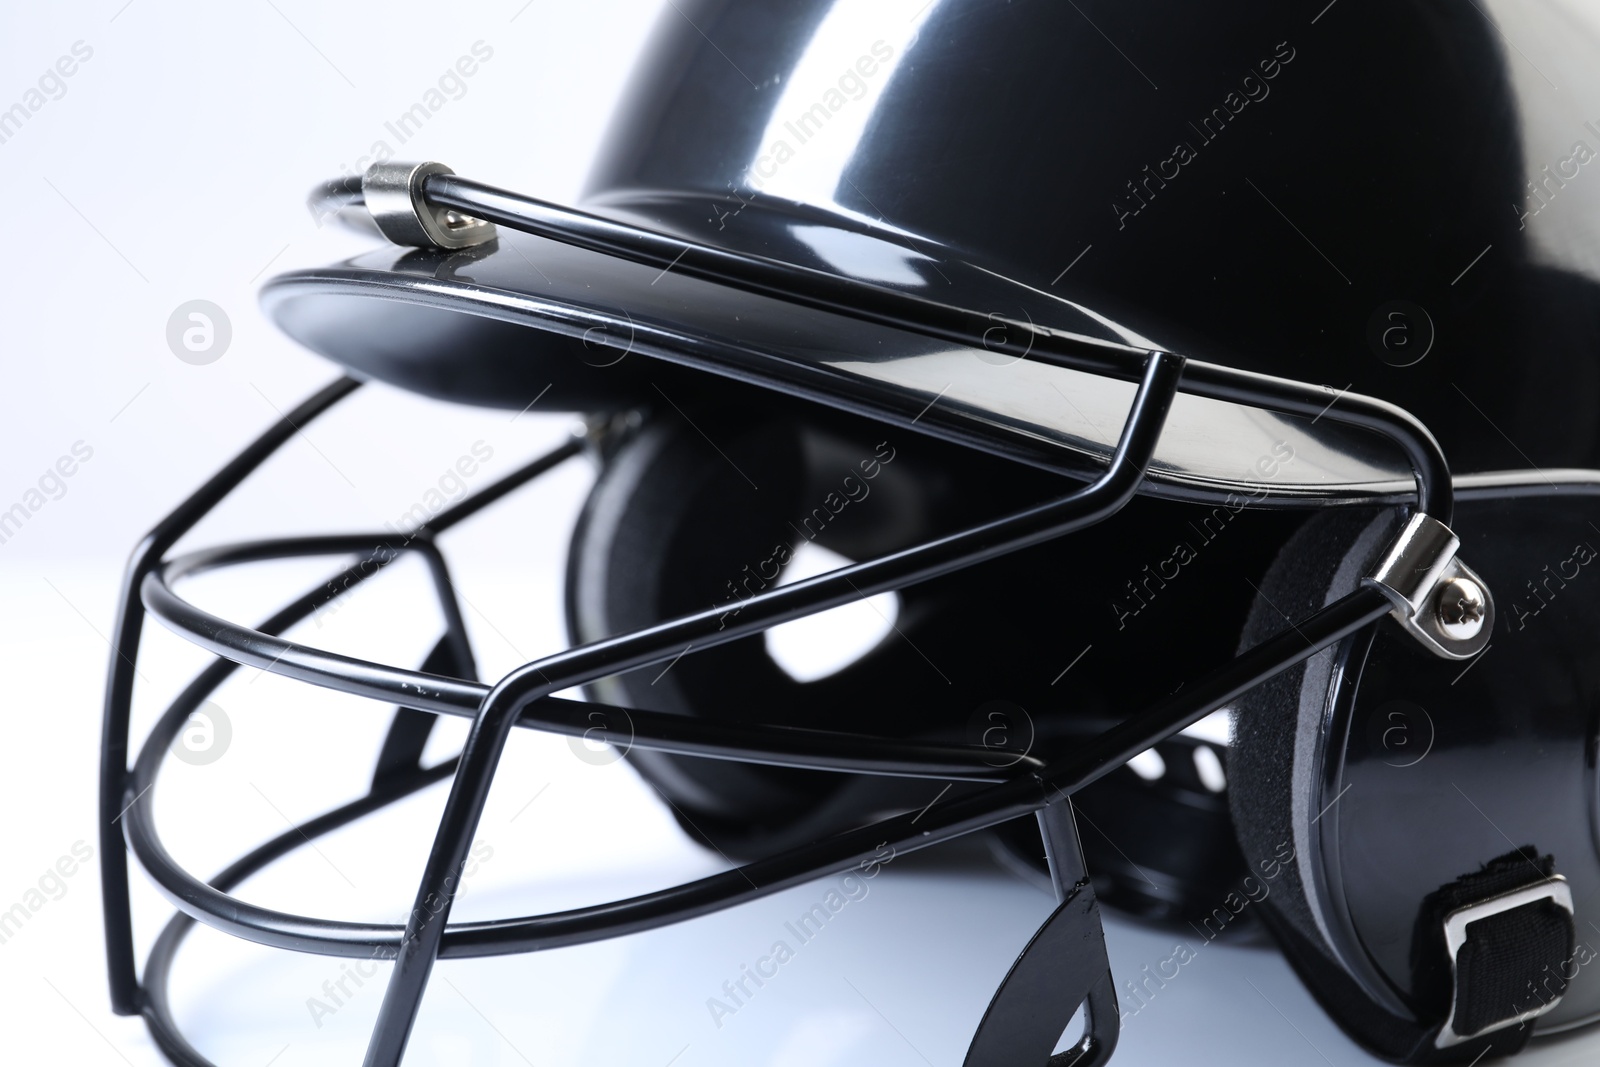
1460	607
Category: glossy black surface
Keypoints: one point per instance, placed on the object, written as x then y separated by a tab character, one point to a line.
1509	338
1402	155
457	326
1342	161
1445	766
1339	196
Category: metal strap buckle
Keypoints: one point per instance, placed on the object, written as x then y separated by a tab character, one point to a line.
1554	890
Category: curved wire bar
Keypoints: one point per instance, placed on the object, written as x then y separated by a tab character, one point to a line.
625	727
422	941
524	698
1026	793
150	999
157	1008
464	940
1080	508
833	293
114	774
116	908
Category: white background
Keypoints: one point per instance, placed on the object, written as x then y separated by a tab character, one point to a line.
174	168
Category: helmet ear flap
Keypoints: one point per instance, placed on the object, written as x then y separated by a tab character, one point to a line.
1279	766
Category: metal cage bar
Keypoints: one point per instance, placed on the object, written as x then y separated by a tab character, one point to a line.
524	699
129	625
870	303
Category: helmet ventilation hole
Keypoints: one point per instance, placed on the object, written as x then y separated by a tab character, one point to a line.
1148	765
826	643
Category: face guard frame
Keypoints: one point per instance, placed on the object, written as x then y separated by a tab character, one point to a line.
1062	968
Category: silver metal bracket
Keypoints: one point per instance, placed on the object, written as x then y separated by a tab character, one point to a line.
1556	890
393	194
1437	598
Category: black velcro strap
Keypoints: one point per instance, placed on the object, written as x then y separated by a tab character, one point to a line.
1510	963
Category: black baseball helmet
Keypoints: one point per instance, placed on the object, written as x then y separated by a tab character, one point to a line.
1151	369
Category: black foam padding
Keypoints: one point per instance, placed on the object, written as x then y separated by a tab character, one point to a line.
1312	569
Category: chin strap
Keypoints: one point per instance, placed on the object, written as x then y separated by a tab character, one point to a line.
1497	948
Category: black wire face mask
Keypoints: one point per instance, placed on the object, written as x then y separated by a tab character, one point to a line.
839	284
